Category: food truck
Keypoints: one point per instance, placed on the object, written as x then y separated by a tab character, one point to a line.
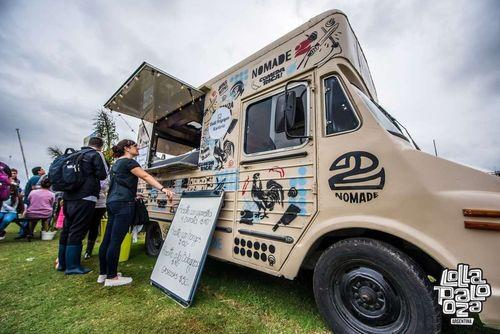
317	175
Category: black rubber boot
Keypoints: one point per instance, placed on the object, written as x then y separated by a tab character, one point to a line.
73	255
61	258
90	248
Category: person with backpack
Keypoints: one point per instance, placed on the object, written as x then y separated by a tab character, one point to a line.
77	174
124	176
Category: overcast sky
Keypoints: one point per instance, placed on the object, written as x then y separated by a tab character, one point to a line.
435	64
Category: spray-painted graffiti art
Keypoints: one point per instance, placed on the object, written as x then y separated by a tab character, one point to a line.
240	76
314	47
296	198
305	46
217	150
278	170
245	185
289	215
227	179
222	87
319	46
161	203
267	198
222	152
246	217
237	90
255	85
220	184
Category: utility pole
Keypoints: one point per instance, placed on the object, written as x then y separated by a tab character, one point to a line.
435	149
22	152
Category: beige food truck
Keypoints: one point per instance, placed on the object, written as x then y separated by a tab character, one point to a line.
316	174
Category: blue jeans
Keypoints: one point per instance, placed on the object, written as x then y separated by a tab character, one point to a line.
6	218
120	217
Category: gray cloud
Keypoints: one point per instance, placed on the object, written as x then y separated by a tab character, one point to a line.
478	34
435	64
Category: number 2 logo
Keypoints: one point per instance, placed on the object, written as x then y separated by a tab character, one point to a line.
355	172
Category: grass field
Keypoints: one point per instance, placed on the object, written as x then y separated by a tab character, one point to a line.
36	298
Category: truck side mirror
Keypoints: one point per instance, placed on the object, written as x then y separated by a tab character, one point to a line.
290	109
282	108
291	116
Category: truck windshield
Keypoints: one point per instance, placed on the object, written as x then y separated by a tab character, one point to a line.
386	120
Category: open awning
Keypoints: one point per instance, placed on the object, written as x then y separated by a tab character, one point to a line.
151	94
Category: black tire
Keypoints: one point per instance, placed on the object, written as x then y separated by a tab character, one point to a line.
364	285
154	239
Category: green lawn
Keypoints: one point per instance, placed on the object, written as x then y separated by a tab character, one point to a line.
36	298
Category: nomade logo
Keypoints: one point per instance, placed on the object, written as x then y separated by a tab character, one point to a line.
357	175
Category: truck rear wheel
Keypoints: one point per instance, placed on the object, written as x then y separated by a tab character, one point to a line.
364	285
154	239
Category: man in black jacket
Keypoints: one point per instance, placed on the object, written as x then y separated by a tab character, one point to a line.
79	207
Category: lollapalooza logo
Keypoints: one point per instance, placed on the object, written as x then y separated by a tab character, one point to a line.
462	291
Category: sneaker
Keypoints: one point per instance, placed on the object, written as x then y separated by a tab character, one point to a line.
120	280
2	235
102	278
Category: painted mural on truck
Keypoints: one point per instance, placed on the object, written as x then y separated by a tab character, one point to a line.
221	113
265	193
217	148
309	49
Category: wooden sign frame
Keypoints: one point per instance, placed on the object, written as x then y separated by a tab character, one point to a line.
193	194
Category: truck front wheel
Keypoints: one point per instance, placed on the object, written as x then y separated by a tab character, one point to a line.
364	285
154	239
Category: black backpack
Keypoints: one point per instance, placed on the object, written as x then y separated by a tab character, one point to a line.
65	172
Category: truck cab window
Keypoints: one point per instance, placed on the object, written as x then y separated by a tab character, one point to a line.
265	122
340	116
382	117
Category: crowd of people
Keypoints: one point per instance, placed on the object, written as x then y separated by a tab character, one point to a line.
102	189
25	208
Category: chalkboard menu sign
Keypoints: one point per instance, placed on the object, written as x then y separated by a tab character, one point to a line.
179	265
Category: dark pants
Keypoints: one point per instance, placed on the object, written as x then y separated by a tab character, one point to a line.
120	216
32	223
78	215
94	223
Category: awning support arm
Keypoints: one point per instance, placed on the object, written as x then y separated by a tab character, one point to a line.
197	106
146	129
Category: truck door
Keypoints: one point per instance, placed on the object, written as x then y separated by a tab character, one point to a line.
276	197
